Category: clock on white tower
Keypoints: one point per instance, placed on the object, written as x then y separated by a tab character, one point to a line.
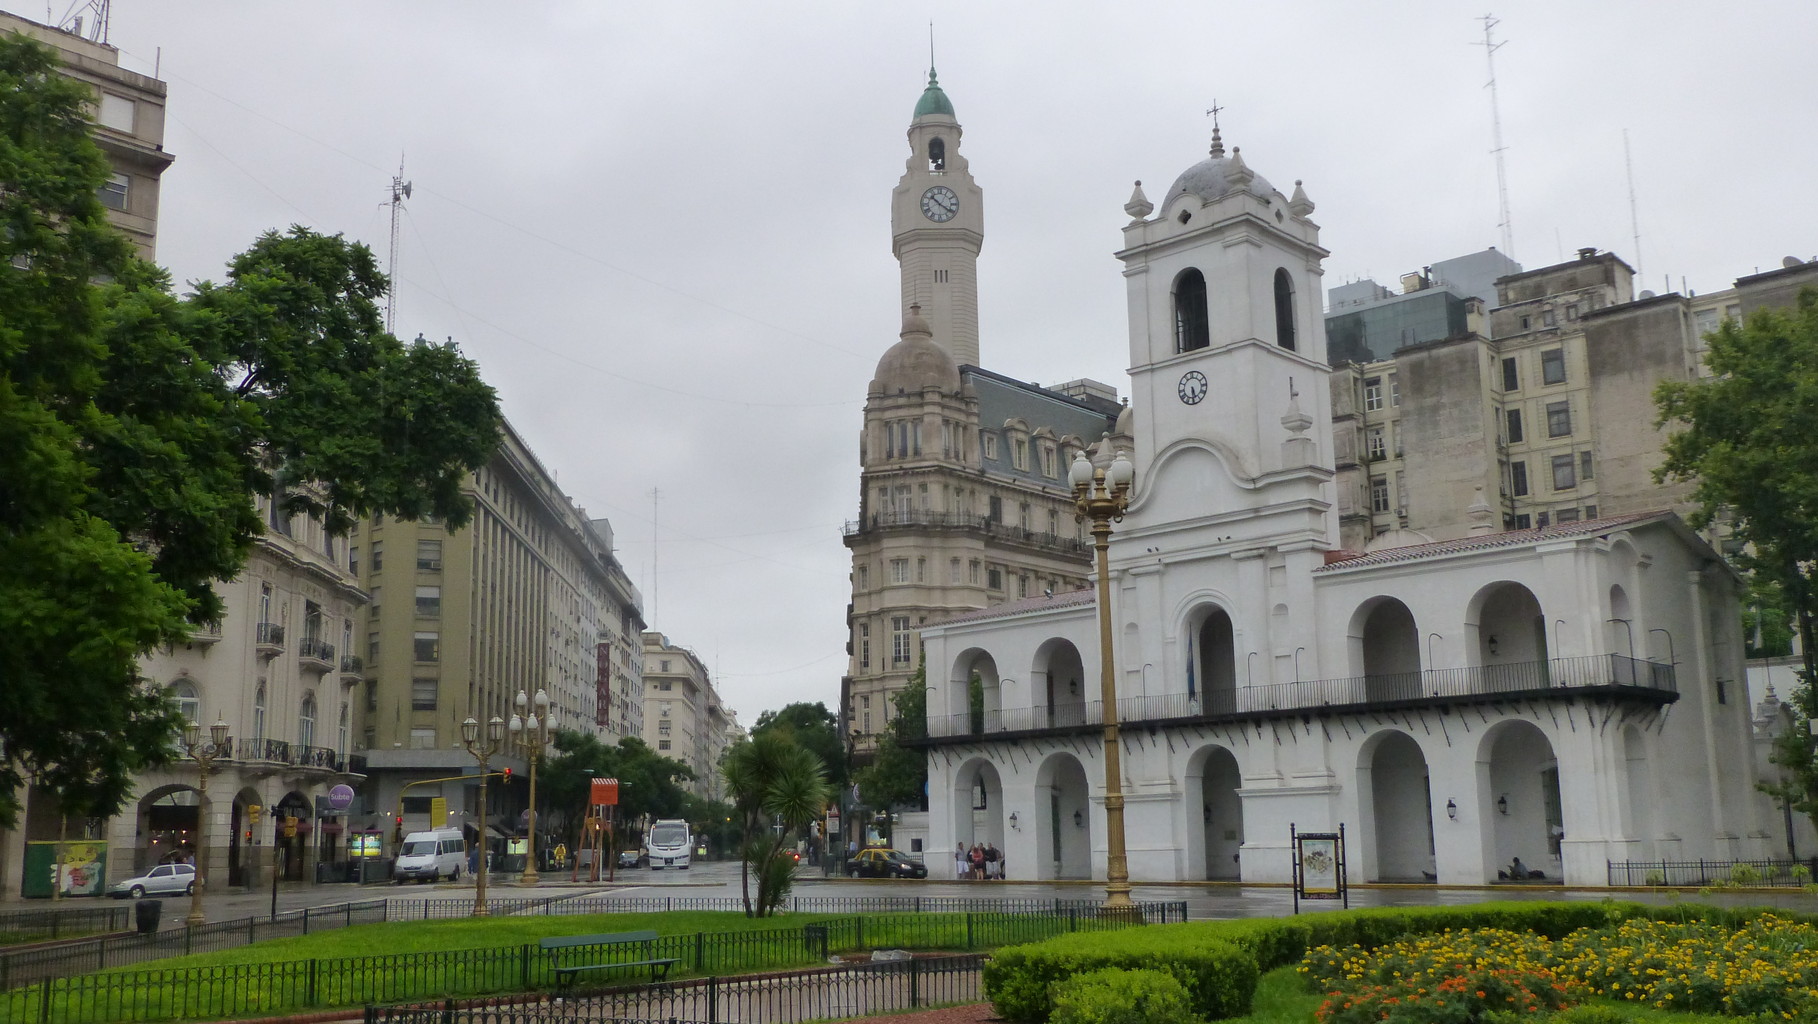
939	204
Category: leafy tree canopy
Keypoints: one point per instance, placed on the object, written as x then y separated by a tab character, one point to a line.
898	775
138	428
649	783
1749	443
814	727
778	785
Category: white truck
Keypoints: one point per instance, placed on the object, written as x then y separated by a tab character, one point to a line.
669	844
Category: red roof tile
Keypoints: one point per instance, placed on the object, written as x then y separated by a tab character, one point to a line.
1069	599
1492	541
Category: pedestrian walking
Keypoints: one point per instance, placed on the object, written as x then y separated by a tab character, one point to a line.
978	863
961	865
991	861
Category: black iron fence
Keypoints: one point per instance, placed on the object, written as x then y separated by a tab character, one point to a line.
1608	672
264	988
41	925
29	966
1701	873
1153	912
828	993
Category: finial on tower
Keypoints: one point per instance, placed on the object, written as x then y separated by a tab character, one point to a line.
1139	205
1218	144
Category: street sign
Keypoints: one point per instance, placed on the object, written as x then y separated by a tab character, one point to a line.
438	811
605	793
341	797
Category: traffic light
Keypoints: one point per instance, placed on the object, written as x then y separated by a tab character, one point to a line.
508	775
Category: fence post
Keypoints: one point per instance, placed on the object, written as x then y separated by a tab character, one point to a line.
915	983
713	999
44	997
700	951
968	931
252	930
861	932
101	954
314	967
306	920
189	938
1072	919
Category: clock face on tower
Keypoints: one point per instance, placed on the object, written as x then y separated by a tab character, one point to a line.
939	204
1192	387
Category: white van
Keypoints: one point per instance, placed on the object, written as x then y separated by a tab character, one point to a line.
669	844
431	856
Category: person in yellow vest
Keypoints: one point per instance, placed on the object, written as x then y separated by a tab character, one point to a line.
561	856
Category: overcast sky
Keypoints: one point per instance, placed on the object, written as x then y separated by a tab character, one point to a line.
662	228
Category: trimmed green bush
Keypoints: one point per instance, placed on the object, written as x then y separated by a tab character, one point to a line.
1592	1013
1113	996
1219	976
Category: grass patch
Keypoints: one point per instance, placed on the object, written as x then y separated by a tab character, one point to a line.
1282	997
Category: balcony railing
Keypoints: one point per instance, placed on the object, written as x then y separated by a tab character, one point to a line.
356	764
933	519
316	649
352	664
257	749
1610	673
317	757
270	635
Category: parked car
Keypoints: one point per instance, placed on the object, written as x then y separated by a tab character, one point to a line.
629	858
883	862
163	880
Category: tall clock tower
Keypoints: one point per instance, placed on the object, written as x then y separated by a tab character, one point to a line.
937	224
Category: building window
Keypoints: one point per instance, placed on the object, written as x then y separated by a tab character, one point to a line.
423	694
1704	322
1590	511
1518	478
864	632
921	570
1546	318
1552	366
899	640
1524	522
1571	312
1375	445
994	578
1565	475
1559	419
306	721
372	650
378	555
954	574
429	555
1565	515
1048	462
899	570
1372	394
864	578
353	559
1542	520
1395	389
1021	455
1192	324
259	712
664	665
972	572
663	727
1053	522
1584	465
423	738
1515	434
995	509
429	602
112	192
1511	380
662	744
1379	494
116	112
1525	323
1284	309
988	444
429	647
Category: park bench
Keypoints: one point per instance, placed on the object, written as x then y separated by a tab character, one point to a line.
637	944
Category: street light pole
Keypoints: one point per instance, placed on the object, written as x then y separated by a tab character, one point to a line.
204	754
482	750
1102	496
531	735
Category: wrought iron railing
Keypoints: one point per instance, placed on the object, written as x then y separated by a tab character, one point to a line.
271	633
352	664
935	519
317	757
316	649
1702	873
259	749
1600	672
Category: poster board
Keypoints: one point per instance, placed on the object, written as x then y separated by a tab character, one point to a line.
84	868
1319	865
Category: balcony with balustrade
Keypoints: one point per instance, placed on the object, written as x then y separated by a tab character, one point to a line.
315	654
1609	677
353	669
932	519
269	639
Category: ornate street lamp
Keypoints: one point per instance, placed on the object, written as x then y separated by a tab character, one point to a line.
1102	496
531	735
204	754
482	752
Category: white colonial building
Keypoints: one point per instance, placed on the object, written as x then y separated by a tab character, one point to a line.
1567	695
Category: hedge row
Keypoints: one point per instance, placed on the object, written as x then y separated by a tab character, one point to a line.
1218	962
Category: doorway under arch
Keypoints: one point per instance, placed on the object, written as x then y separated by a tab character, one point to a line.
1215	834
1212	660
1057	681
1063	812
1511	638
1524	771
1401	808
976	680
978	806
1386	645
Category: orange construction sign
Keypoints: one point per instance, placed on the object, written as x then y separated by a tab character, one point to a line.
605	793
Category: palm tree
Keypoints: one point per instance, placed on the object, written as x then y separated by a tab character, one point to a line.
778	787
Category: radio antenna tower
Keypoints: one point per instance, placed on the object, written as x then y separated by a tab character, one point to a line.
1628	166
96	30
400	191
1490	46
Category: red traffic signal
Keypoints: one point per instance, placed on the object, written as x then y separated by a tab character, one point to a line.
508	775
400	821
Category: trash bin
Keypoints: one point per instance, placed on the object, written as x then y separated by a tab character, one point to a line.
145	915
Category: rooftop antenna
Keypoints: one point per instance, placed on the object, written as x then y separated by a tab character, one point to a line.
1490	46
1628	167
655	548
97	27
400	191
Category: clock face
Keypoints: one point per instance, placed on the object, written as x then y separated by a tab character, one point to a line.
939	204
1192	387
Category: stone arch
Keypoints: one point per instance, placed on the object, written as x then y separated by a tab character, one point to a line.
1511	634
169	818
293	851
1395	783
1520	767
977	698
1384	645
937	154
1215	815
1063	815
978	804
1210	653
240	867
1284	309
1192	319
1057	683
1619	635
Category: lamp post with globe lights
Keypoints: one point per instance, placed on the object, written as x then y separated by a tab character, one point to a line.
204	754
482	749
1101	496
531	735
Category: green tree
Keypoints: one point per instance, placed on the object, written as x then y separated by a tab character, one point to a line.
816	728
898	775
650	785
137	430
1749	444
778	787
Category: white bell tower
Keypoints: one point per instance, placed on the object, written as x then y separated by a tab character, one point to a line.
937	225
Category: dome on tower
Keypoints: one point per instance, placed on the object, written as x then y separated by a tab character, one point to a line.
915	362
933	100
1218	175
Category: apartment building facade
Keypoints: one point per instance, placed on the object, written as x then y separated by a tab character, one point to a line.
685	717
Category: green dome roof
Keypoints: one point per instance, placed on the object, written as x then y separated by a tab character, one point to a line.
933	100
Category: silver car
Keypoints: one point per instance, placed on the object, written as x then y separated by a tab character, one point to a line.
163	880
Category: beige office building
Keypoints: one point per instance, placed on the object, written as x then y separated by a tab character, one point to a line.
684	716
527	596
128	113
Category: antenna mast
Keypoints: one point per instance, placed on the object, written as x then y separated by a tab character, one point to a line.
96	29
400	191
1628	166
1502	171
655	549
